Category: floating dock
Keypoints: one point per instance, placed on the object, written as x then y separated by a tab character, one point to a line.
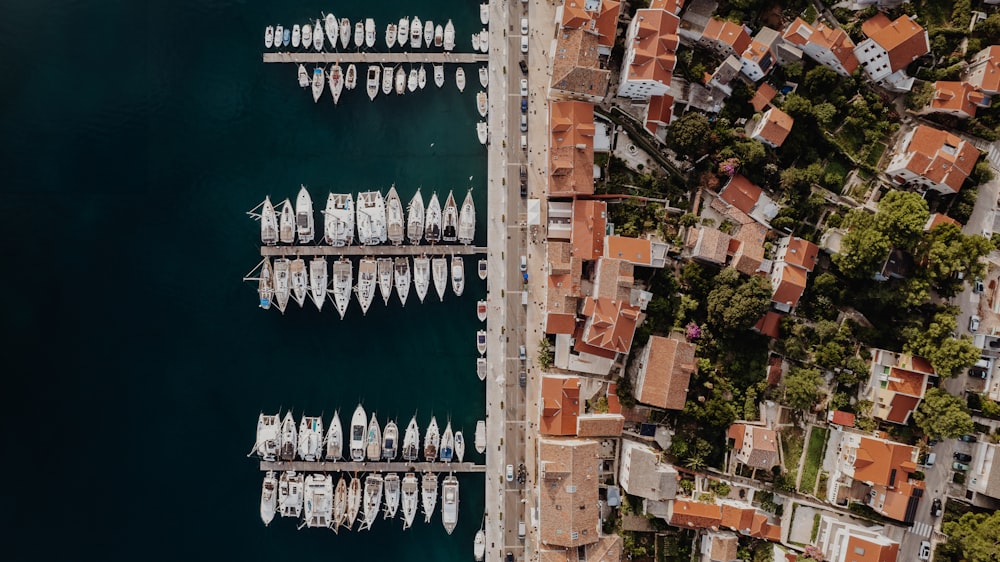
371	466
377	58
380	250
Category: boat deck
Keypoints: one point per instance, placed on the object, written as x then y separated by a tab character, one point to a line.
377	58
371	466
380	250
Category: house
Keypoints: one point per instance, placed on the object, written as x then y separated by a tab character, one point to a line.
762	97
932	159
896	385
749	198
724	74
563	290
576	67
719	546
571	148
773	127
725	38
960	99
607	548
838	417
890	48
664	370
983	477
567	492
650	54
739	517
898	265
644	252
659	114
599	17
754	445
590	221
642	474
769	324
983	71
937	219
831	47
759	57
794	260
560	405
708	245
843	541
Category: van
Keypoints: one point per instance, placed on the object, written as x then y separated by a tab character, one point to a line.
524	142
930	460
520	530
524	298
524	263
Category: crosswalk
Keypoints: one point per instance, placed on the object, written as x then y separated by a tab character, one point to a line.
993	155
922	529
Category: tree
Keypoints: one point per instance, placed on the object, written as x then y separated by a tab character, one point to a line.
864	249
690	135
820	82
934	341
902	216
920	95
737	306
825	113
797	105
941	415
950	254
974	536
802	387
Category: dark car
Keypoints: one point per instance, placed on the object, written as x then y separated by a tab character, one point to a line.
523	65
524	105
968	438
962	457
524	188
510	557
522	379
936	508
977	372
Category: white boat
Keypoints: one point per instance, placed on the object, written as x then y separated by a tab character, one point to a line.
318	36
296	36
390	441
467	220
482	132
421	77
447	443
336	82
411	440
415	218
366	283
338	219
481	368
481	311
439	75
351	78
438	36
318	497
481	341
428	33
411	80
279	32
384	268
459	446
428	494
311	438
282	283
460	79
457	275
432	220
401	276
307	36
343	274
339	504
432	441
268	498
286	223
416	32
369	33
449	36
359	422
481	436
409	489
449	503
373	500
421	276
353	501
387	80
394	218
449	219
319	281
335	439
317	83
289	439
290	494
391	495
371	218
268	437
268	223
484	78
484	13
479	545
332	31
299	280
475	41
359	34
304	221
269	37
373	441
390	35
400	81
484	41
483	268
439	273
303	76
403	32
371	84
345	32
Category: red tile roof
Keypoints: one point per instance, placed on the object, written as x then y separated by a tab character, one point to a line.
939	156
769	324
763	96
695	515
904	39
801	253
560	405
654	46
664	376
611	325
777	125
938	218
659	112
638	251
589	227
571	148
741	193
556	323
985	69
957	97
790	287
881	462
845	419
835	41
860	549
727	32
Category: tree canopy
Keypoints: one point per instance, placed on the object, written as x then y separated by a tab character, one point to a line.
974	536
935	342
941	415
949	253
802	387
690	135
734	305
899	223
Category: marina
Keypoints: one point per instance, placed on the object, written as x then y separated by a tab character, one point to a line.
376	58
370	466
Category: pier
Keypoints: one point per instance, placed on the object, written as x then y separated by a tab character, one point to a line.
383	250
370	466
377	58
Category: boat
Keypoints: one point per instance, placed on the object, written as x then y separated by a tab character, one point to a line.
286	36
411	80
351	78
432	440
439	75
432	220
411	440
449	503
481	103
484	13
484	41
373	500
438	36
371	84
269	37
428	33
421	276
268	437
459	446
318	36
481	341
394	218
467	219
336	82
390	441
286	223
421	77
428	494
449	36
303	76
390	35
415	218
403	32
338	219
339	504
371	218
353	501
345	32
307	36
479	545
359	34
401	275
457	275
311	438
373	441
475	41
296	36
281	282
279	34
332	31
483	268
369	33
299	280
481	311
400	81
290	494
343	275
460	79
447	443
359	421
384	268
387	80
481	436
391	495
409	488
304	224
481	368
366	283
319	281
335	439
268	497
439	273
482	132
318	497
484	78
268	223
449	219
317	83
416	32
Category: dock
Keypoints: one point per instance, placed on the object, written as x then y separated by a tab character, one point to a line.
382	250
377	58
371	466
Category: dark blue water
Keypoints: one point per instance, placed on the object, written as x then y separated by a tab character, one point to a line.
134	137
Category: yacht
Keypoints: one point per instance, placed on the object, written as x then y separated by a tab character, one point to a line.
483	268
449	503
484	78
373	500
304	224
449	36
411	440
296	36
400	81
318	497
286	223
401	275
269	37
439	274
290	494
394	218
384	268
373	441
371	84
343	275
432	440
409	489
481	368
481	105
285	37
345	32
428	494
318	36
421	276
279	33
482	131
416	32
421	77
332	31
403	31
339	504
481	311
457	275
371	218
351	78
369	33
359	421
428	33
481	436
299	281
460	79
390	441
311	438
387	80
367	270
336	82
281	283
317	83
481	341
265	285
484	41
432	220
303	76
438	36
411	80
467	220
415	218
307	36
475	41
288	440
268	498
318	281
439	75
449	219
390	35
459	446
268	437
359	34
353	501
484	13
447	443
335	439
338	219
479	546
391	495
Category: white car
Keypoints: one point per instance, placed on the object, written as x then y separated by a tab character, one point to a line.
524	43
973	323
925	551
524	87
524	26
510	473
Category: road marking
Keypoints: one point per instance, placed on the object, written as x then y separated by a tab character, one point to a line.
922	529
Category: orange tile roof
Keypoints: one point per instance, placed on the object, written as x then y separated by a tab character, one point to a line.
727	32
941	157
904	39
567	492
708	243
756	53
985	69
590	219
763	96
602	23
906	382
750	254
774	371
576	67
610	324
607	22
672	6
581	346
883	462
741	193
763	445
860	549
614	405
600	425
769	324
613	279
801	253
777	125
938	218
638	251
560	405
845	419
556	323
790	286
659	112
664	377
654	46
960	97
571	148
835	41
695	515
575	16
901	407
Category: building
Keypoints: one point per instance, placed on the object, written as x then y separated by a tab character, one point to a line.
760	56
659	114
983	71
932	159
725	38
569	512
749	198
608	548
740	517
708	245
644	252
938	219
960	99
773	127
847	542
650	47
983	477
642	474
664	370
719	546
577	72
890	48
754	445
560	405
599	17
828	46
896	385
571	148
794	260
590	222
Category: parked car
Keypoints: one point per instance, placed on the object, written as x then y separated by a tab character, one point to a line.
962	457
510	473
522	353
960	466
936	508
523	65
510	557
973	322
522	379
524	43
524	105
977	372
524	26
524	92
929	461
977	287
925	551
968	438
524	188
524	123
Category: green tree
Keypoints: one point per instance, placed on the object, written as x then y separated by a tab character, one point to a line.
825	113
935	342
690	135
949	254
865	247
802	387
941	415
920	95
820	82
975	536
902	216
737	306
797	105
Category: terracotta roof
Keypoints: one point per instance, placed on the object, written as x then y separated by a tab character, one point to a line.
672	6
666	372
695	515
938	156
984	69
906	382
957	97
602	22
600	425
571	148
607	22
901	407
903	39
860	549
576	67
769	324
610	324
801	253
727	32
845	419
776	126
613	279
614	405
774	371
790	286
710	244
567	492
654	47
750	254
723	546
741	193
763	96
829	40
638	251
938	218
560	405
757	53
659	112
581	346
755	445
883	462
574	15
560	323
590	220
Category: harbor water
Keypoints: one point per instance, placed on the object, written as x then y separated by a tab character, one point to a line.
135	137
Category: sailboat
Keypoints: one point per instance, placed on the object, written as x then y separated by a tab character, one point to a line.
304	216
481	436
373	442
439	273
428	33
411	80
268	498
358	423
421	77
387	80
410	488
369	33
335	439
401	275
296	36
432	221
479	545
269	37
384	268
359	34
351	79
481	103
447	443
459	446
481	341
303	76
416	32
288	440
449	219
394	217
371	218
457	275
400	81
449	36
317	83
484	78
449	503
318	36
373	500
483	268
332	31
339	504
338	219
390	441
265	285
421	276
290	494
318	496
411	440
403	30
336	82
345	32
428	494
286	223
390	35
343	275
415	218
391	495
481	368
311	438
439	75
371	83
481	310
432	440
318	281
366	283
281	282
299	281
268	437
467	220
307	37
460	79
353	501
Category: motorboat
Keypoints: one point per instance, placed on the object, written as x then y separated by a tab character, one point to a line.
467	219
338	219
457	275
394	218
449	503
343	275
432	220
359	34
268	223
475	41
449	36
286	36
484	41
449	219
371	83
409	489
336	82
318	497
311	438
479	545
482	132
411	440
317	83
279	34
415	218
481	311
459	446
370	218
372	500
303	76
484	78
400	81
307	36
484	13
481	436
403	32
299	280
428	494
332	30
390	441
411	80
345	32
384	268
318	36
290	494
438	36
353	501
428	33
460	79
390	35
304	225
439	274
335	439
421	77
318	281
369	33
387	80
359	422
391	495
366	283
481	368
268	498
268	43
373	441
421	276
296	36
401	276
351	79
282	283
481	341
416	32
481	103
432	441
439	75
268	437
447	443
339	504
483	268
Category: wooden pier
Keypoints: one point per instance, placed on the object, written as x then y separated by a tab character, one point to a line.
377	58
382	250
371	466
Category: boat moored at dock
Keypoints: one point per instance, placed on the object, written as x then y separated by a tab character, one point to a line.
384	268
439	75
318	281
336	76
449	219
339	505
282	283
289	441
268	498
290	494
481	310
479	545
372	500
467	220
369	33
481	341
428	495
460	79
371	218
268	223
416	32
449	503
432	440
481	436
439	273
367	271
391	495
421	276
299	281
371	83
311	438
449	36
457	275
335	439
265	284
409	489
338	223
353	501
268	437
359	422
447	443
394	217
304	220
401	276
373	442
459	446
411	440
432	224
286	223
318	497
345	32
343	274
390	441
481	368
483	268
317	83
415	218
